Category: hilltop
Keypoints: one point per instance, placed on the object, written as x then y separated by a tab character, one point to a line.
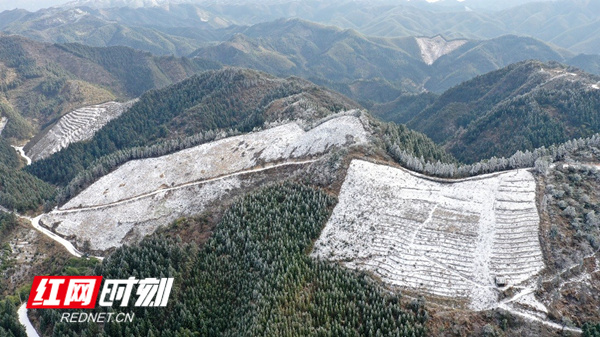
238	100
520	107
98	28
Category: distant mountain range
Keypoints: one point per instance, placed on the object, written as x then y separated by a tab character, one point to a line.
178	28
369	69
101	28
376	69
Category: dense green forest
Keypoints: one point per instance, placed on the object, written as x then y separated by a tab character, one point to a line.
8	155
404	108
20	190
521	107
253	277
8	221
138	71
398	137
369	69
591	330
9	325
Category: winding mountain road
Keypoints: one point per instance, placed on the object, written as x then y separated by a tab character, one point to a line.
24	319
31	332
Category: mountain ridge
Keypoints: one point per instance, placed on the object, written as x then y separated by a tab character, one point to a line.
520	107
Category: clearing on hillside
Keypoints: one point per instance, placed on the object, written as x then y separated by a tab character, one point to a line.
76	126
449	239
141	195
432	48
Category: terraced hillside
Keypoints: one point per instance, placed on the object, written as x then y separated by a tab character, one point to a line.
76	126
452	240
144	194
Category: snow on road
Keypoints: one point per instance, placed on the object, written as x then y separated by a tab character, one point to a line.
35	222
24	320
19	150
443	238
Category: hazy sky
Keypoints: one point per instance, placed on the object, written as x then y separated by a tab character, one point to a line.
33	5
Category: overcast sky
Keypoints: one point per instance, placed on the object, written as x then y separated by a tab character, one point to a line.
33	5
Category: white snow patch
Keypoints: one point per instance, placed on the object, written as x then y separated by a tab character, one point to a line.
106	227
3	121
76	126
142	195
219	158
20	151
441	237
24	320
432	48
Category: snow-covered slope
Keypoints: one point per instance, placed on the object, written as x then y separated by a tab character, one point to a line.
3	121
76	126
448	239
432	48
143	194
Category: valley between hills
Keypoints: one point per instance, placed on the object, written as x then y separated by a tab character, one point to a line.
305	168
471	243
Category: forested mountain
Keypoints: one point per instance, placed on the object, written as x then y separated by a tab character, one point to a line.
20	190
372	69
39	81
237	99
302	48
520	107
253	277
368	68
569	24
261	165
480	57
113	27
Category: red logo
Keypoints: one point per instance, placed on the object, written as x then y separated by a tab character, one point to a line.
64	292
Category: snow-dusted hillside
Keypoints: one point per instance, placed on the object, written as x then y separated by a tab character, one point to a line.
143	194
432	48
3	121
76	126
448	239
